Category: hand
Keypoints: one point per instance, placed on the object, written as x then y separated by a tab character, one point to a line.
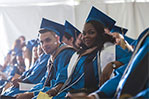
15	82
25	96
107	71
52	92
79	96
118	37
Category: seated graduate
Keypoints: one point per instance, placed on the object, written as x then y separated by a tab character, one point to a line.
82	73
72	36
32	76
27	51
131	80
35	53
60	54
123	55
69	38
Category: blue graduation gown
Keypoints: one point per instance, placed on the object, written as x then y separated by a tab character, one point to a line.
124	55
40	85
136	77
36	73
77	73
33	75
60	63
109	88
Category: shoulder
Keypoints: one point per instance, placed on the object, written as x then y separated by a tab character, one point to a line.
65	49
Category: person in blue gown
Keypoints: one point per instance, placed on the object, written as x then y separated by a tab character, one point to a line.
133	83
33	76
28	52
72	36
50	41
69	34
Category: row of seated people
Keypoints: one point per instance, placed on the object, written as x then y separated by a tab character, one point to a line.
17	59
13	63
77	68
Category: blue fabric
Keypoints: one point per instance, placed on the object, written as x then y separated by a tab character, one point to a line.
33	75
120	70
31	44
38	71
77	73
40	85
138	57
59	65
110	86
12	91
123	55
143	94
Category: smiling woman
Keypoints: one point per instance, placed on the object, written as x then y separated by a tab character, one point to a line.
3	46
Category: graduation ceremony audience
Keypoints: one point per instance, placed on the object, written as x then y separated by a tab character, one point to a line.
32	76
64	63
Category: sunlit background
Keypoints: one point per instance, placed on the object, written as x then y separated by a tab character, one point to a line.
23	17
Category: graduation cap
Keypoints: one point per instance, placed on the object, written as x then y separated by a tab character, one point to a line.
70	29
52	26
120	30
32	43
99	16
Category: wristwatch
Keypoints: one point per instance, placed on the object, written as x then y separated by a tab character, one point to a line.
113	65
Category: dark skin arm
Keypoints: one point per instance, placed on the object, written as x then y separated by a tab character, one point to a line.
54	91
108	71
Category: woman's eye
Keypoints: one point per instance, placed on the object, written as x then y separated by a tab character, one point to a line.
91	32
